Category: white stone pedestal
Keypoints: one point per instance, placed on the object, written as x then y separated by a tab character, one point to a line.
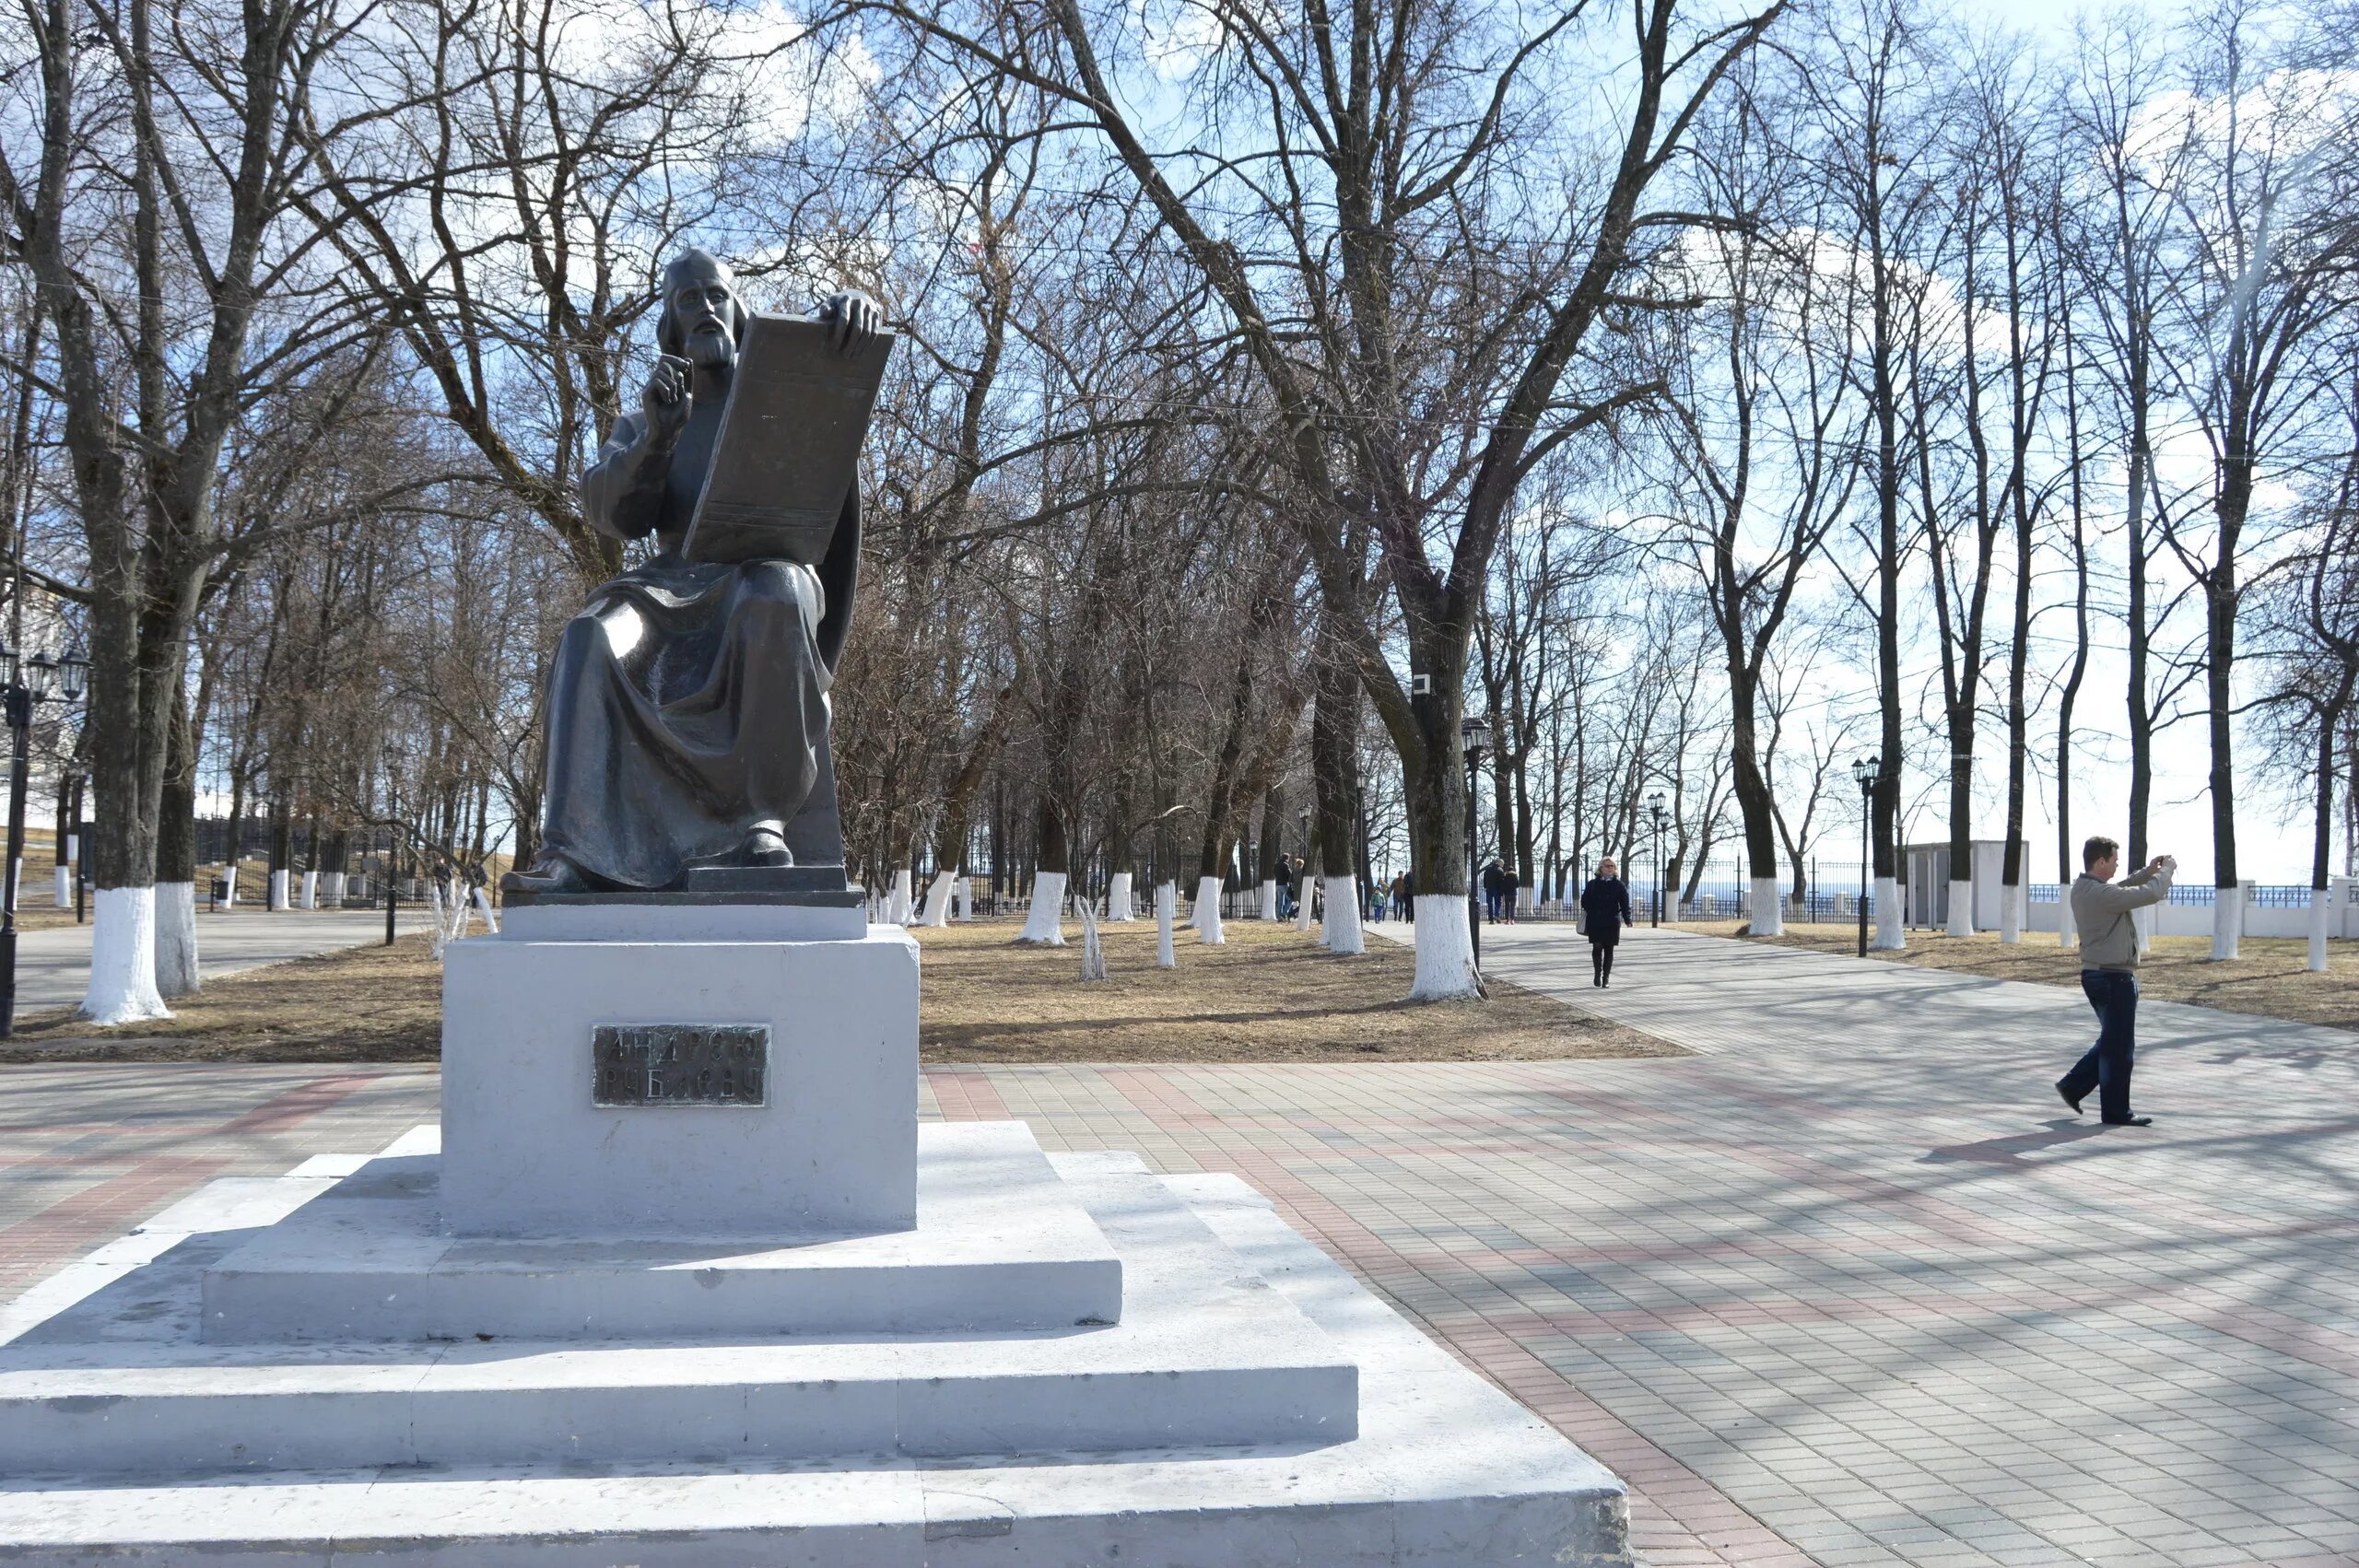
575	1331
831	1149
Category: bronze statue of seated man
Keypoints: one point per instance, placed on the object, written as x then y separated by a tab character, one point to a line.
687	704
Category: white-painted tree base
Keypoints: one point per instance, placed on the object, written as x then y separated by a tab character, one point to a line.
2066	933
1166	915
122	958
937	899
2142	921
1445	949
64	884
1305	899
1765	906
483	907
2321	919
334	885
963	900
1891	934
1270	901
2228	922
1118	898
177	970
1342	932
1044	923
278	891
310	890
2011	913
230	888
1961	921
904	897
1208	927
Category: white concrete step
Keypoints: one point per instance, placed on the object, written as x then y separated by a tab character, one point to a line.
999	1243
1445	1472
1206	1355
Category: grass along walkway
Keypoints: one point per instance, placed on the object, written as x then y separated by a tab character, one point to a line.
1268	995
2268	976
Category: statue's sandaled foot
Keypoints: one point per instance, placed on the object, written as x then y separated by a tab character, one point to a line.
765	846
552	874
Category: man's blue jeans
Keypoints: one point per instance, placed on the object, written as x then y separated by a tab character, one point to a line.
2106	1067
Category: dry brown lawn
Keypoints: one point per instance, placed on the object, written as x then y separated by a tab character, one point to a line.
1267	995
2268	976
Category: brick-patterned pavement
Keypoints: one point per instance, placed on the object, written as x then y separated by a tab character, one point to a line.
1846	1287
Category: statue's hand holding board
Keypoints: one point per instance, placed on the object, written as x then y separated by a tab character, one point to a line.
787	450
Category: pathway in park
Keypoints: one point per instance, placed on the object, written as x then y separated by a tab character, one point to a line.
1846	1287
54	965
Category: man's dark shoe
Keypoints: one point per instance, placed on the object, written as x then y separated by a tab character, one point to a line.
2129	1121
2067	1099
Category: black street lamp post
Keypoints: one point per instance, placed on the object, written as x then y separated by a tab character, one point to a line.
1474	735
393	840
1660	816
1865	773
24	683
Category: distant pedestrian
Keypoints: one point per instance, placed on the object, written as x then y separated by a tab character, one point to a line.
1493	891
1605	909
2105	913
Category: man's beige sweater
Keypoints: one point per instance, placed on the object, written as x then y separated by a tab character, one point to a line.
2101	912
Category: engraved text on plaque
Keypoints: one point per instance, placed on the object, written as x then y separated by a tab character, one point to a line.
679	1064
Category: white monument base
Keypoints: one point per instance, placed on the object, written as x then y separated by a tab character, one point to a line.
124	1436
527	1151
680	1281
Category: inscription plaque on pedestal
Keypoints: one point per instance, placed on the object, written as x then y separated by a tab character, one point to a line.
679	1064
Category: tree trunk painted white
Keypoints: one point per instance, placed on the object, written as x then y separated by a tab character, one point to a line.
1527	900
1093	953
1306	897
1891	935
2228	922
2321	912
1118	898
434	908
2143	921
1445	949
278	890
2066	933
902	907
1208	928
230	888
65	880
1765	905
310	890
937	899
1045	922
483	907
963	894
122	958
177	973
2011	913
1270	901
1961	908
1167	912
1342	929
333	886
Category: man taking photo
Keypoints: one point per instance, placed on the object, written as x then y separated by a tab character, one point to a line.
2106	914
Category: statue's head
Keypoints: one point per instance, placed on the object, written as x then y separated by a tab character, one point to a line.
703	319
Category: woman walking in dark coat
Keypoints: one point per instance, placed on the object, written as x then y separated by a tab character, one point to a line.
1605	909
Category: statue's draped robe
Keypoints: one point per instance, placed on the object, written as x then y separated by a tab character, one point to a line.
688	702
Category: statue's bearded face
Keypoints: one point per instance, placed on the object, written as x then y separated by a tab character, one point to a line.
703	311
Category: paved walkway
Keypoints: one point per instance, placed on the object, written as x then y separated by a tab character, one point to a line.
54	965
1845	1288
